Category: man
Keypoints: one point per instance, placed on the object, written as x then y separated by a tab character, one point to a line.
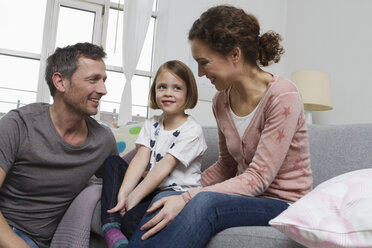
48	153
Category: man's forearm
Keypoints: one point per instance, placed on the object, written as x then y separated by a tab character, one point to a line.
8	238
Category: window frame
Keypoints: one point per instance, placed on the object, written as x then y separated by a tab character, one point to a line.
50	35
100	32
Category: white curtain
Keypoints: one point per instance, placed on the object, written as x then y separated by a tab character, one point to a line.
137	14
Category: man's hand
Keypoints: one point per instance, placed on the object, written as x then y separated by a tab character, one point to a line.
171	207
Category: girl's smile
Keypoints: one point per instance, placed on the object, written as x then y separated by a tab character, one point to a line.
170	93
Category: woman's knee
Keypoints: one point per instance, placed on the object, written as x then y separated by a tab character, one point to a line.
204	203
205	198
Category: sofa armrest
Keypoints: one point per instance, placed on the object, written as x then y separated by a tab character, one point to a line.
74	228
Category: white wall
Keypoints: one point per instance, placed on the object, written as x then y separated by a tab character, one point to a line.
176	18
329	35
334	36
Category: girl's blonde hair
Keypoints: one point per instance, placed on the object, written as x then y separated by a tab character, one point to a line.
183	72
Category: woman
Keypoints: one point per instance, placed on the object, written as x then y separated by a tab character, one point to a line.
264	161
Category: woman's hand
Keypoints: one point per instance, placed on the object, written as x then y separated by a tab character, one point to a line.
172	206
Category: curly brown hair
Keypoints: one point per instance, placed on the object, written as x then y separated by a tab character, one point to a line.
225	27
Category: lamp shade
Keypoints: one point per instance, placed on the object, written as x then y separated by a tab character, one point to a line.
315	88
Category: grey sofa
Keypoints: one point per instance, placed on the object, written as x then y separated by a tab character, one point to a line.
334	149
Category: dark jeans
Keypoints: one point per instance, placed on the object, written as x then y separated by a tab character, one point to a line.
207	214
113	171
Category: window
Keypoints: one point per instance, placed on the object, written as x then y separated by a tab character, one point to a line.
116	80
67	22
75	25
20	60
16	88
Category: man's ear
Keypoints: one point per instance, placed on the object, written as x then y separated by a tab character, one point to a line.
59	82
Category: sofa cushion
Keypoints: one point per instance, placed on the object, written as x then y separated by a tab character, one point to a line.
337	213
126	136
251	236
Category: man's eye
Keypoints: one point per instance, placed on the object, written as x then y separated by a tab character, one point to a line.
93	79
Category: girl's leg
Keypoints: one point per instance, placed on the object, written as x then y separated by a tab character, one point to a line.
207	214
113	171
132	218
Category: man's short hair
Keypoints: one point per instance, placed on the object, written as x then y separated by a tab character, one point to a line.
65	60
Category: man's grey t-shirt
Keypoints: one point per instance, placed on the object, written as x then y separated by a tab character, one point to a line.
45	173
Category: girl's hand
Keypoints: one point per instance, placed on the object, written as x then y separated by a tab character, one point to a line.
121	206
132	201
172	206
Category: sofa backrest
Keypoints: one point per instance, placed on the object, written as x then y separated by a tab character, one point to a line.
211	155
334	149
337	149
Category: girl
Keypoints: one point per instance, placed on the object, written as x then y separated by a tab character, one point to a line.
170	148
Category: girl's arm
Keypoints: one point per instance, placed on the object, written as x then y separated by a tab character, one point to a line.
132	176
153	179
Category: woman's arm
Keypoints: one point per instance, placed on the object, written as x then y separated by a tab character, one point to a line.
280	126
224	168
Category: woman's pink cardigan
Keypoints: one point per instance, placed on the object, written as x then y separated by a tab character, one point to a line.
272	159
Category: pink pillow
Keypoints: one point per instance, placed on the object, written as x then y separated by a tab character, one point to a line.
337	213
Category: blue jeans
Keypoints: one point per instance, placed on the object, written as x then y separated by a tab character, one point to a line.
23	236
207	214
113	171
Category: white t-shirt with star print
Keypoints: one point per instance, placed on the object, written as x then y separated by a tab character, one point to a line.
186	143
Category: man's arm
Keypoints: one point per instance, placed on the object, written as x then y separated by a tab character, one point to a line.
7	237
